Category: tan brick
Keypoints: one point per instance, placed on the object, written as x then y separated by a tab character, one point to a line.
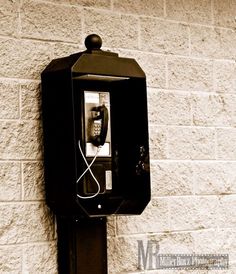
214	110
158	142
51	22
10	259
24	59
176	243
179	271
9	100
153	219
122	259
164	37
154	67
193	212
30	100
22	223
92	3
191	143
152	64
214	178
207	241
171	178
126	260
148	7
9	17
193	11
226	139
213	42
224	13
190	74
216	241
227	213
33	181
116	30
40	258
10	178
225	76
169	108
20	140
63	49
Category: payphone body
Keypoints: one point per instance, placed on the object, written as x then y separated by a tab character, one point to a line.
95	127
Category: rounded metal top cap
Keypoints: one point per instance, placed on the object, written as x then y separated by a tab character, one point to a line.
93	42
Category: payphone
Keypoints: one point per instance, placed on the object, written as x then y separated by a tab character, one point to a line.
95	127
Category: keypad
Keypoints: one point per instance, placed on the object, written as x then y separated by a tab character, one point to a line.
97	128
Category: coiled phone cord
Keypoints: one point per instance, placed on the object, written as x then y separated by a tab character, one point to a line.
88	169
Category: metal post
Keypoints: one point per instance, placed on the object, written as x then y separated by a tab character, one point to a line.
82	245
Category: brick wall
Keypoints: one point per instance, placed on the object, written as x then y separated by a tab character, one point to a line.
187	49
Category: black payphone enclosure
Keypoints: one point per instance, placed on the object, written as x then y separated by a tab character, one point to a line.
64	83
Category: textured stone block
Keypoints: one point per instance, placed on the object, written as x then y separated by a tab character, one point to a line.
10	259
30	100
148	7
225	76
10	178
179	271
215	178
89	3
227	213
224	13
216	241
171	178
169	108
193	212
153	219
214	110
116	30
51	22
226	140
62	49
155	69
123	251
40	258
175	243
153	65
193	11
164	37
9	17
25	222
191	143
23	59
190	74
33	181
122	255
9	100
212	42
20	140
158	142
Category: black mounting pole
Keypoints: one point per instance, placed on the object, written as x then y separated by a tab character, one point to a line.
82	245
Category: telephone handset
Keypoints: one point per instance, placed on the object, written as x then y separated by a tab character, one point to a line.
99	125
